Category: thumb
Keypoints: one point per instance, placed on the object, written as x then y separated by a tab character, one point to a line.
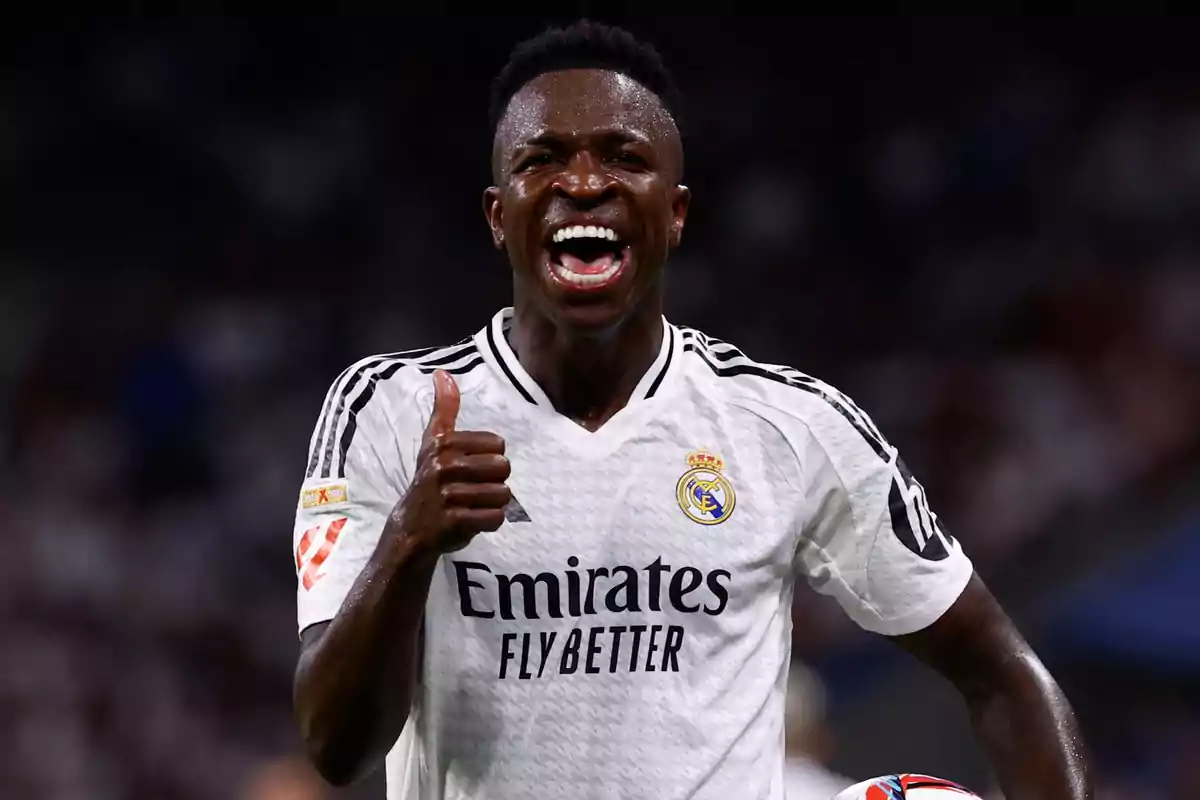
445	404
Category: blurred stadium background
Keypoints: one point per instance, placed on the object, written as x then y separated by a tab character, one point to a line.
986	231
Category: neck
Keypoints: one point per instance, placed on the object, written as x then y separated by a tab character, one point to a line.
588	376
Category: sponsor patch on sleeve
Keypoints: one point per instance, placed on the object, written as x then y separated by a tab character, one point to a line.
329	495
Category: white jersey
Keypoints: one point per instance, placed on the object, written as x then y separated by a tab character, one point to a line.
804	779
626	633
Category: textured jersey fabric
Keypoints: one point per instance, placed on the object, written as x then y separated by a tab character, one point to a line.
626	633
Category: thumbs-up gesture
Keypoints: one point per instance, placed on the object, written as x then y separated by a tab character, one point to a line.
458	490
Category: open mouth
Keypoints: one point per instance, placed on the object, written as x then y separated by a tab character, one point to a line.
587	256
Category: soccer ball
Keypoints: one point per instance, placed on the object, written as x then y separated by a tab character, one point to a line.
907	785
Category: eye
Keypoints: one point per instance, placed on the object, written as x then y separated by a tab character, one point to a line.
630	159
533	160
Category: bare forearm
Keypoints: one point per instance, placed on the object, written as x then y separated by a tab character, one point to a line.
1030	734
1020	715
354	686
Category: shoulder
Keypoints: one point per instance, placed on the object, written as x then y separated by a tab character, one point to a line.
794	400
400	376
382	394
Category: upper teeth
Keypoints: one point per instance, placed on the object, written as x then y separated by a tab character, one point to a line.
585	232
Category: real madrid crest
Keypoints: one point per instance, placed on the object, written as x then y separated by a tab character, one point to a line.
703	492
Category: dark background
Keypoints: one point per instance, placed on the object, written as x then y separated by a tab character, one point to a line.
985	231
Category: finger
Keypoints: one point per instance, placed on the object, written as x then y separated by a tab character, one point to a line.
476	495
456	467
470	521
474	442
445	404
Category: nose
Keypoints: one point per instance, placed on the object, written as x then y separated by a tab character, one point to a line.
585	181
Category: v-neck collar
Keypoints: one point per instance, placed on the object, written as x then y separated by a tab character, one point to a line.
493	345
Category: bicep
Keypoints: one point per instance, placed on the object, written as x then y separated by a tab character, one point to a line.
971	642
310	639
311	636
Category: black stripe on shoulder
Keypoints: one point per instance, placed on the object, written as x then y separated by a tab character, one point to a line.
508	373
811	386
842	398
314	453
662	373
326	454
360	402
314	456
461	369
727	352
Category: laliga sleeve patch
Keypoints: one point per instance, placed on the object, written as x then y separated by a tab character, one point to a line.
328	495
314	548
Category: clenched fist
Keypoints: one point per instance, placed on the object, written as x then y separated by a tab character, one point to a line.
458	489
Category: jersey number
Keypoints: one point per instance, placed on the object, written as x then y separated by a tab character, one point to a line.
929	539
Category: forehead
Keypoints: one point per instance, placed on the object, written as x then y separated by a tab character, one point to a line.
578	102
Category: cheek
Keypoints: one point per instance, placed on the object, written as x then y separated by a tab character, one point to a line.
519	202
660	216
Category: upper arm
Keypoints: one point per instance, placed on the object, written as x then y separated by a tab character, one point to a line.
872	541
869	537
971	643
311	636
355	474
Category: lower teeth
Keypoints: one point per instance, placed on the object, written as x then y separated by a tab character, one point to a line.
587	279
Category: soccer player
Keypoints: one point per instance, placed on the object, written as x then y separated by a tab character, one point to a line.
556	559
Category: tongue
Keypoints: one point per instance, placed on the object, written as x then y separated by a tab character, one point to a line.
581	267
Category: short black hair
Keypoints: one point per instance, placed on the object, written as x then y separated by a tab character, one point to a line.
585	45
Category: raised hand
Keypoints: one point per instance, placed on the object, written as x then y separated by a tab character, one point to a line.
458	490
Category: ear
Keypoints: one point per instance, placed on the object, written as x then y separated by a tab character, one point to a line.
493	210
681	198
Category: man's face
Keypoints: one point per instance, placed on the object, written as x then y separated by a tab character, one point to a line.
587	202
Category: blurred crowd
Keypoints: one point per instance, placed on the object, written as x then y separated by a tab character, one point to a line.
987	241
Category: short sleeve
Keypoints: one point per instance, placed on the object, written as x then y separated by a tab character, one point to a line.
869	537
355	475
